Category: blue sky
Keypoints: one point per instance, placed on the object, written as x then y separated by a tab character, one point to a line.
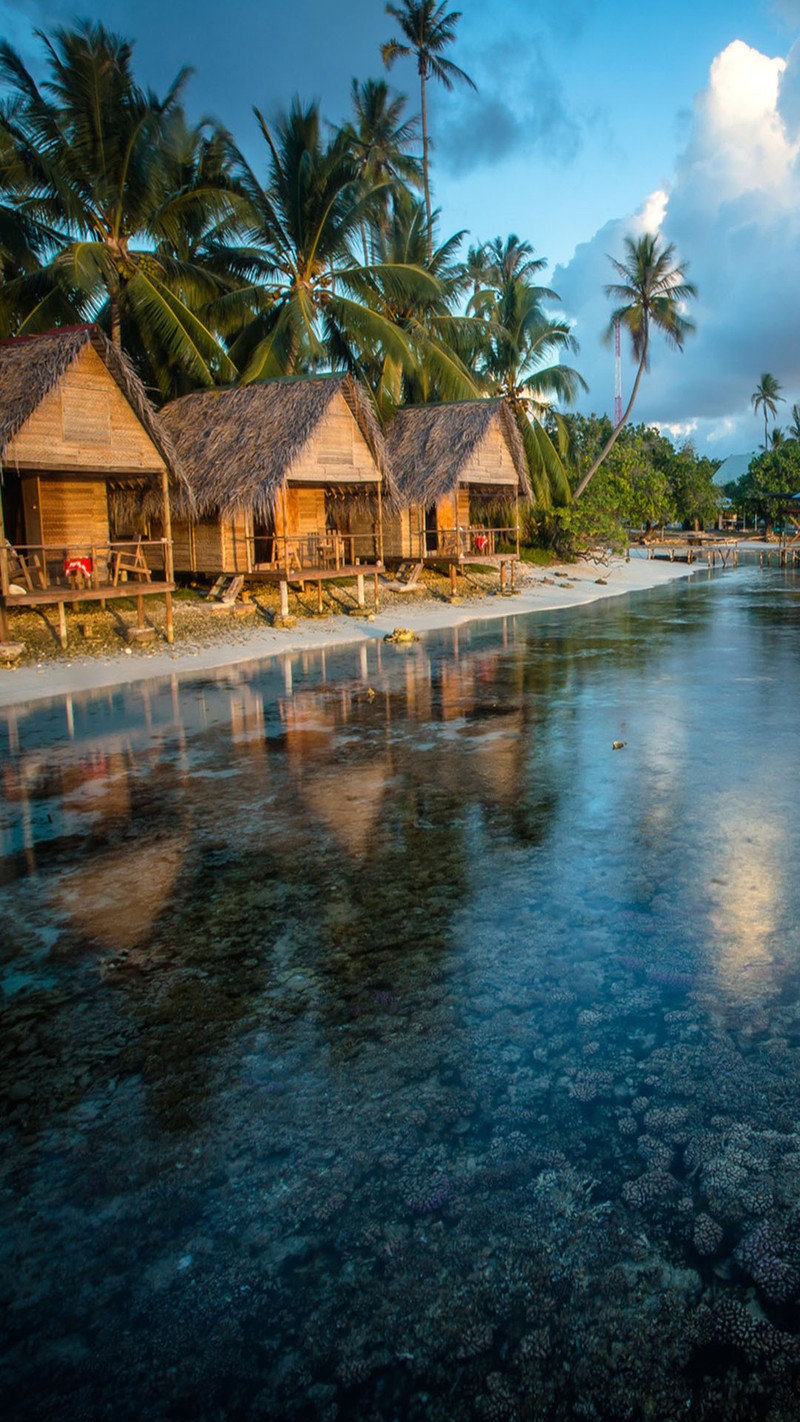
593	118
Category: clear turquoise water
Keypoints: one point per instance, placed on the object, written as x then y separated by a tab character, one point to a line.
378	1043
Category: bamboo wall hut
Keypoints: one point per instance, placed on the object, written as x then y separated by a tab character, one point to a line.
84	467
456	466
288	479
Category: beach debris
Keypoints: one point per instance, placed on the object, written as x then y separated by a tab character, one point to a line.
618	745
371	693
285	623
602	582
401	635
11	651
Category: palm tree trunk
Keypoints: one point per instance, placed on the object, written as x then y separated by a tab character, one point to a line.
766	434
116	325
425	162
615	432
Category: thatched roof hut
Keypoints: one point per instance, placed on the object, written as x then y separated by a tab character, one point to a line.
240	446
33	366
433	448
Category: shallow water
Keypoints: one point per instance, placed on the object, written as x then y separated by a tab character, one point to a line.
379	1043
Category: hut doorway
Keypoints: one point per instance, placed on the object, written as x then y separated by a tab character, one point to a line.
264	550
431	530
13	510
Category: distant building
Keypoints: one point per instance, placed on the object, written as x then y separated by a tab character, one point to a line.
733	468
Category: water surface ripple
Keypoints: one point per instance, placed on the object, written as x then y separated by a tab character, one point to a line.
379	1043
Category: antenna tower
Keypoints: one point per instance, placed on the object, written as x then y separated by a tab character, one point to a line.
617	378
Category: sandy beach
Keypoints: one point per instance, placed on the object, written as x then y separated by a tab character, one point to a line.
540	591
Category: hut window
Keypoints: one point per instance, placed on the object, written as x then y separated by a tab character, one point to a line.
86	416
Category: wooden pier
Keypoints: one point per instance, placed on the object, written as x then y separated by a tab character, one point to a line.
695	548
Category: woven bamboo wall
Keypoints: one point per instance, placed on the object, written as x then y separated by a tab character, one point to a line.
182	546
337	453
208	546
236	547
68	513
398	539
305	510
85	424
491	462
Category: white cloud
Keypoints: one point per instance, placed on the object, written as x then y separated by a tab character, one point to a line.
733	212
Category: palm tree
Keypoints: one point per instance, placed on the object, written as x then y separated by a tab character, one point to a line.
441	343
653	291
380	139
427	30
521	362
90	169
510	260
794	428
765	397
314	309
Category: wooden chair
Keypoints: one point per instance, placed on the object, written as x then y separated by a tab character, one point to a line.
24	568
130	560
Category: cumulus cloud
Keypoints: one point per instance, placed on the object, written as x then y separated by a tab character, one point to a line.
733	213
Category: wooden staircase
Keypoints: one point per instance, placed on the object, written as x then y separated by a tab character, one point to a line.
226	589
405	577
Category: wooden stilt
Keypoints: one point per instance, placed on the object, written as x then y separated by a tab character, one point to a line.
360	589
62	625
4	579
377	602
502	577
453	584
140	611
170	632
284	597
319	594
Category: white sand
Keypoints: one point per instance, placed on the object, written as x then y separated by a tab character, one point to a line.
29	683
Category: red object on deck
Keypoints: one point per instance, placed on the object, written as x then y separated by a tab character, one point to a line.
481	542
78	565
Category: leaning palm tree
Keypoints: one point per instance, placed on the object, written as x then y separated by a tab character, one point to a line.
90	168
794	428
427	30
653	291
765	397
314	307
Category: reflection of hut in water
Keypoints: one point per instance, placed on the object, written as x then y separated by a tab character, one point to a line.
460	470
97	897
85	471
288	478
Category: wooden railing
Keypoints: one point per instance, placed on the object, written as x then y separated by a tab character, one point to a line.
330	549
42	567
476	541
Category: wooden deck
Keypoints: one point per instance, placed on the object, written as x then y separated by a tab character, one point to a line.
299	576
39	576
61	598
693	550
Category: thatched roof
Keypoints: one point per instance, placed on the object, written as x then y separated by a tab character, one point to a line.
430	447
32	366
238	445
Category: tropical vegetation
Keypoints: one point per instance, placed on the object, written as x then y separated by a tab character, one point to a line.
320	251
